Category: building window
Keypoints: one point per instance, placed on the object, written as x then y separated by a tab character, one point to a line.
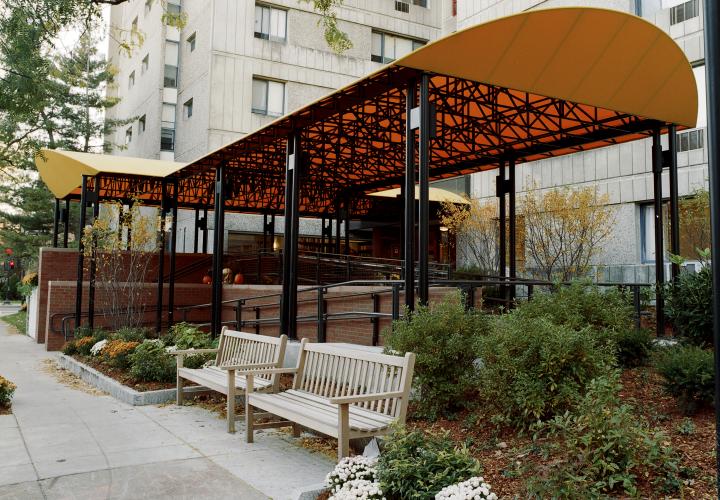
684	11
386	48
421	3
167	139
690	140
270	23
191	42
148	6
170	81
145	64
694	215
173	8
141	124
268	97
188	108
171	64
402	6
128	135
131	80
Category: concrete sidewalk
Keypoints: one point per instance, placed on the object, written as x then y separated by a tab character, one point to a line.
65	443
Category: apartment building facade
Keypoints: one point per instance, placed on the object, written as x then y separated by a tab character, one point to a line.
622	173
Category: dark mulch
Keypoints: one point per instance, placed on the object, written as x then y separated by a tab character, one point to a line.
5	410
123	376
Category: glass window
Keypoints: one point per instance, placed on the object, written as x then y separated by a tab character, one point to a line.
128	135
691	140
683	12
167	139
268	97
168	113
145	64
188	107
173	8
421	3
386	48
141	124
131	80
191	42
170	80
270	23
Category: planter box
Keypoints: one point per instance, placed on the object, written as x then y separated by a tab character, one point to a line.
116	389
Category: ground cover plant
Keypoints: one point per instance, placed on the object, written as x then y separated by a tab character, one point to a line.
7	390
689	306
18	320
688	374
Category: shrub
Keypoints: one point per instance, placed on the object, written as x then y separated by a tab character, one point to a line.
417	465
7	389
84	344
187	336
69	348
117	352
633	346
688	375
150	362
689	306
535	370
605	448
131	334
444	338
83	331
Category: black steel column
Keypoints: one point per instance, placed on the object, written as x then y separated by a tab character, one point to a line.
218	251
286	309
323	234
56	223
338	214
298	165
424	187
196	230
346	215
66	222
409	246
205	230
161	259
81	250
674	199
512	225
712	68
659	252
93	253
502	244
173	252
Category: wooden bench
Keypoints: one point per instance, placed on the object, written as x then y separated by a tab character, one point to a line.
236	351
341	392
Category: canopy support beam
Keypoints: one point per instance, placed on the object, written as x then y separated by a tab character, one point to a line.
674	199
424	182
81	252
500	190
409	251
173	253
56	223
161	259
66	222
288	301
95	198
659	251
512	227
218	251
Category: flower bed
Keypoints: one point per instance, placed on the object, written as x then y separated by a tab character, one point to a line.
7	389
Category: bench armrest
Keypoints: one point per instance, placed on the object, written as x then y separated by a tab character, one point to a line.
260	371
193	351
361	398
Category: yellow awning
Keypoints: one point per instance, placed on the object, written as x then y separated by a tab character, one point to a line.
62	171
600	57
436	194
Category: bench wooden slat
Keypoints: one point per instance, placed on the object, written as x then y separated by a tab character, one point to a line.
371	418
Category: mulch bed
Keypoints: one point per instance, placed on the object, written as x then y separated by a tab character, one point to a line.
123	376
509	458
5	410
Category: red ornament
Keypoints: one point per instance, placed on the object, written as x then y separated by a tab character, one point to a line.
239	279
207	279
8	251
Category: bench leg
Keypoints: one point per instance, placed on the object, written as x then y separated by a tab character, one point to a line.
179	395
297	430
249	418
231	402
343	431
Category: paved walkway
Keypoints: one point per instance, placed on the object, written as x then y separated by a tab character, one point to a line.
65	443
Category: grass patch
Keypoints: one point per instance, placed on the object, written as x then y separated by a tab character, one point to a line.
18	320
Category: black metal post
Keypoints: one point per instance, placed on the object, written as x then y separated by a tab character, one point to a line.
218	251
424	188
196	230
129	222
659	251
81	252
288	301
294	235
712	69
338	214
205	230
409	252
375	320
674	200
502	244
56	223
346	215
323	234
161	260
173	253
265	230
93	254
321	318
66	222
512	226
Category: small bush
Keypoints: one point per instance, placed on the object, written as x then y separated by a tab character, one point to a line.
417	465
444	339
84	344
69	348
633	347
688	375
605	449
688	304
535	370
128	334
117	353
149	362
7	389
187	336
83	331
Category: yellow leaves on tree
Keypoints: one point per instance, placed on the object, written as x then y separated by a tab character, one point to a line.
475	227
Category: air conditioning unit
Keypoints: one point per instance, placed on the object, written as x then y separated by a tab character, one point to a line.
402	6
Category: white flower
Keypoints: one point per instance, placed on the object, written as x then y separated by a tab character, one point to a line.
351	468
472	489
171	348
359	489
97	347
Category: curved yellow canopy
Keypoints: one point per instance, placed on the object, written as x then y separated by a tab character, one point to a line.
600	57
62	171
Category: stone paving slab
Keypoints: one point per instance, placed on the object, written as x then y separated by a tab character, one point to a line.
65	443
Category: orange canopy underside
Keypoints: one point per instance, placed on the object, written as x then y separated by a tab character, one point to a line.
531	86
